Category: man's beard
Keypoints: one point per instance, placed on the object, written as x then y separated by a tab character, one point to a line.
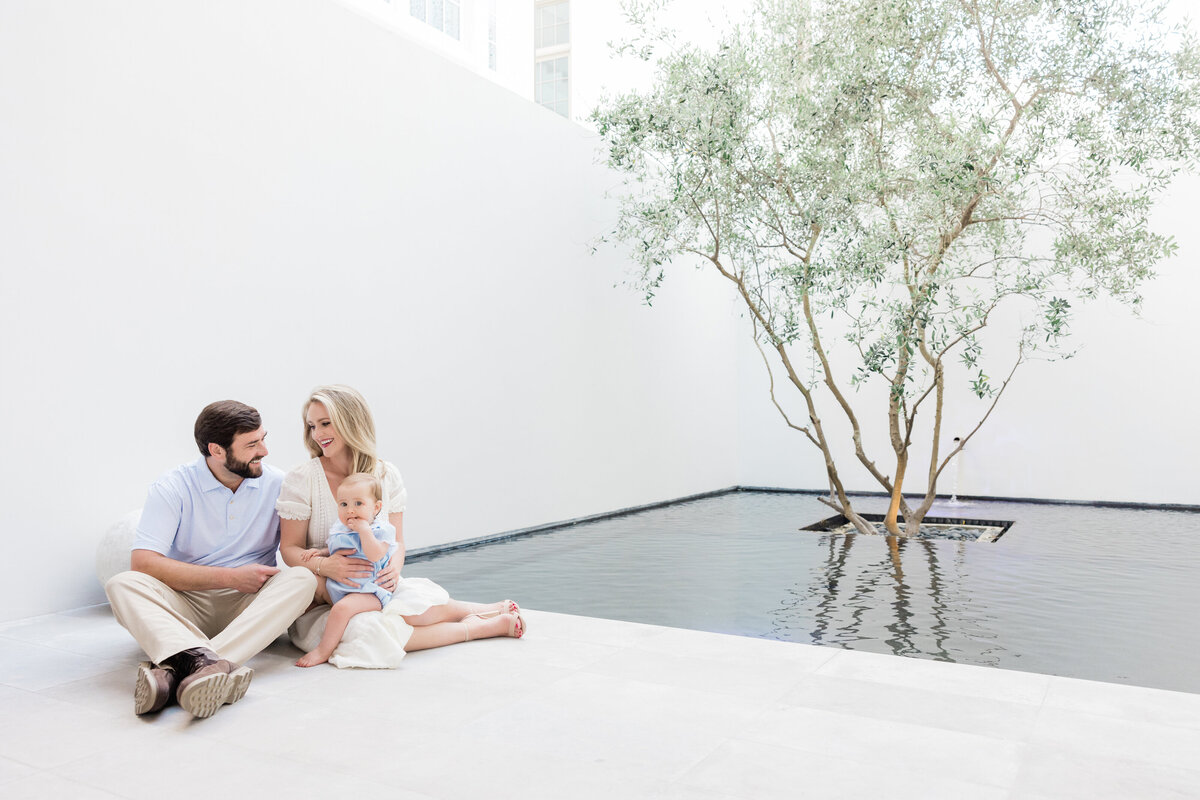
243	469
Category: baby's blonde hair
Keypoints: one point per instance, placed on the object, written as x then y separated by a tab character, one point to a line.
363	479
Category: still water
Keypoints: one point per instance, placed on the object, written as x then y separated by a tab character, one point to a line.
1096	593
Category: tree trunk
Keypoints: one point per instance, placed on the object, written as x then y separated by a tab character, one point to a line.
859	523
890	520
894	545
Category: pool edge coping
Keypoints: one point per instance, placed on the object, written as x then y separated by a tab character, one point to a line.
421	553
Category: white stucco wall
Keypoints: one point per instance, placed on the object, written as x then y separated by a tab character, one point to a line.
514	36
1117	422
1113	423
218	199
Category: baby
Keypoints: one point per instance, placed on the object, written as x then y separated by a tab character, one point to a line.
359	501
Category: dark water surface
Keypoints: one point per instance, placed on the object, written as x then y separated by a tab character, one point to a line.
1097	593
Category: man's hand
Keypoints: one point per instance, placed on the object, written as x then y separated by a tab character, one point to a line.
184	577
249	578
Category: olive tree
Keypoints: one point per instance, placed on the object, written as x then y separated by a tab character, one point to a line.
877	179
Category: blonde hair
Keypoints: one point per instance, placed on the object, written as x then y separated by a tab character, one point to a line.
363	479
351	417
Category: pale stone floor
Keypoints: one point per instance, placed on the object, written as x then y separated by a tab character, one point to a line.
584	708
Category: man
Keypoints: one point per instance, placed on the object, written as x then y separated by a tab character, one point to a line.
204	595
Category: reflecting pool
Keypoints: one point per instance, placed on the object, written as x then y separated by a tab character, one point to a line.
1097	593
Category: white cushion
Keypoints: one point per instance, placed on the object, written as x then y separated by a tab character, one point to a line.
112	554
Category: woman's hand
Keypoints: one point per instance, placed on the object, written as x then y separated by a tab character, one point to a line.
386	579
343	569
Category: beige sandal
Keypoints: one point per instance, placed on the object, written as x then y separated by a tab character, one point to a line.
516	626
510	607
482	615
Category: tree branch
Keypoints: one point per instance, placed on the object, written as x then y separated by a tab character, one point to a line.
771	378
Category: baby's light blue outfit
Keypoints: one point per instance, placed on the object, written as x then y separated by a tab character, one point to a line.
342	538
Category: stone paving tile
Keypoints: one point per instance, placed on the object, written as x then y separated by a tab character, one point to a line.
1120	739
25	665
46	733
85	631
1132	703
1051	771
885	746
758	680
623	722
470	765
47	784
761	771
13	770
930	707
586	707
190	766
918	673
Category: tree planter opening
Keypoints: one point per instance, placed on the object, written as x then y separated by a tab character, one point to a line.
953	528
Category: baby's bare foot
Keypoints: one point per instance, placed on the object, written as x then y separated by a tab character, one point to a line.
312	659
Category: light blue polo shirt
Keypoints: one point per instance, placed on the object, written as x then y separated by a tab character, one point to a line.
191	516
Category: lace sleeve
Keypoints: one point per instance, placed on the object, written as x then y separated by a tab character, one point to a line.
394	494
295	496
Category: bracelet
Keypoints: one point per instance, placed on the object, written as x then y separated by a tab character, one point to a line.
319	563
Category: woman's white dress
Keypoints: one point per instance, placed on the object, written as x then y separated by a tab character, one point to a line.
375	638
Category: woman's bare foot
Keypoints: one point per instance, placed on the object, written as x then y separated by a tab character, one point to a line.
311	659
490	624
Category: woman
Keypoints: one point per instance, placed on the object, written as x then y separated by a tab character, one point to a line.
340	434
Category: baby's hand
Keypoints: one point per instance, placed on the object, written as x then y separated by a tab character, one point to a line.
360	526
309	555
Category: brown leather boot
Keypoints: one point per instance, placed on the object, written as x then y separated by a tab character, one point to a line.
208	681
154	689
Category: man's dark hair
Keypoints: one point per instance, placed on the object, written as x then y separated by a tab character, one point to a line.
221	421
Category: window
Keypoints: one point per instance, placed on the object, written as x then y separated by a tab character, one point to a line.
552	56
551	26
441	14
551	85
492	35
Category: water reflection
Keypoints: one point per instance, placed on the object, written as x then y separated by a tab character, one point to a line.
891	591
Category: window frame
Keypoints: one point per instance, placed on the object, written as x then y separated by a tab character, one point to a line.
440	27
550	53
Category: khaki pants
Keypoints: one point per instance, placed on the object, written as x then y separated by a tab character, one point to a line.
233	624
